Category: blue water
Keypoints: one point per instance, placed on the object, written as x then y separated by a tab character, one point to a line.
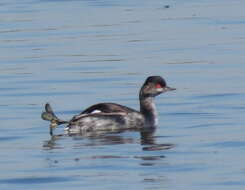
76	53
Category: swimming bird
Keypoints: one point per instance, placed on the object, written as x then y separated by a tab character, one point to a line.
112	116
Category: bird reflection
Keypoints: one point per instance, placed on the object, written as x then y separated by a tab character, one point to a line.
52	143
147	140
147	136
91	139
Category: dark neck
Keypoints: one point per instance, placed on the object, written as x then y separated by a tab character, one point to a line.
148	109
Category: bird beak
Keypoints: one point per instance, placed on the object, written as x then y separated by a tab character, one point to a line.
167	88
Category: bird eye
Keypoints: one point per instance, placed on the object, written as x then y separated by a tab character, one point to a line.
158	86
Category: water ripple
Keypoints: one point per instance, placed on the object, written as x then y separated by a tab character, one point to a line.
228	144
36	180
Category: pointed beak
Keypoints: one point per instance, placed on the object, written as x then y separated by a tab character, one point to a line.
167	88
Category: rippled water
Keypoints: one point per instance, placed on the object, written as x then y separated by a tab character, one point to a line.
77	53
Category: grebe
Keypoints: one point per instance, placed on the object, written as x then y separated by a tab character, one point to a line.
111	116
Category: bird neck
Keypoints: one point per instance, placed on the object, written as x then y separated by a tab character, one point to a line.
148	109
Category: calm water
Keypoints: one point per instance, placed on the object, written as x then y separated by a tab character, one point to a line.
76	53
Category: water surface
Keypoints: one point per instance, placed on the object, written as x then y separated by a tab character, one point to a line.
76	53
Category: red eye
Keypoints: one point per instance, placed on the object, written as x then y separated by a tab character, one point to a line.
158	86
